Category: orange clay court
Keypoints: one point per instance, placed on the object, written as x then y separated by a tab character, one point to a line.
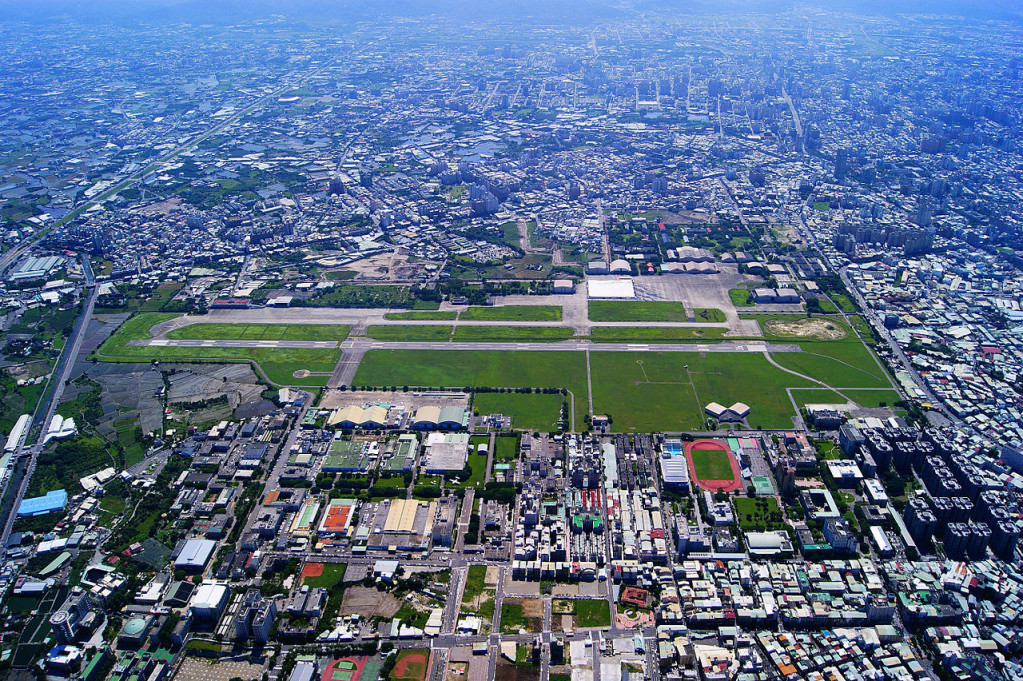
336	518
311	570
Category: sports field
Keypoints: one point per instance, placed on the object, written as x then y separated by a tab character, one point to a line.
296	332
411	664
637	311
712	466
327	575
711	462
344	669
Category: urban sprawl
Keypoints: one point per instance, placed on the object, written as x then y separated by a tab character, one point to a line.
639	346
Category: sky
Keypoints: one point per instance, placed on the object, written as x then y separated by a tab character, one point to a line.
230	11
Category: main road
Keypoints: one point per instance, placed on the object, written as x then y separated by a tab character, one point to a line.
47	407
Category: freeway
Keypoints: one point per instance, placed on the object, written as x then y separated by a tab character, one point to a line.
47	407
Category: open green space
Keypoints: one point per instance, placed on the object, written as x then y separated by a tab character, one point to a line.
514	618
475	578
588	613
533	411
654	334
414	315
358	295
873	398
592	613
291	332
844	303
709	315
332	575
478	464
758	514
542	334
741	297
496	369
161	296
506	449
636	311
278	364
826	306
513	313
653	391
409	332
712	464
840	364
816	396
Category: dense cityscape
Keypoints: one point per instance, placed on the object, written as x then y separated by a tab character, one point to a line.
599	342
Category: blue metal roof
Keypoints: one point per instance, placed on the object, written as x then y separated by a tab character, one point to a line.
53	501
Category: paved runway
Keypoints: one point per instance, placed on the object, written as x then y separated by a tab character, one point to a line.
359	345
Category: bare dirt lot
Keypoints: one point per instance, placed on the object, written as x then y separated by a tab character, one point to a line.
360	600
819	329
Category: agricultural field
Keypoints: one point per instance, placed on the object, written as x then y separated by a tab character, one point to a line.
513	313
637	311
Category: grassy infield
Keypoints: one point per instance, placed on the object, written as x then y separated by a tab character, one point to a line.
646	391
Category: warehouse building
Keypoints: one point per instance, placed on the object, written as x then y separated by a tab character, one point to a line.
193	555
337	518
445	452
209	601
674	466
55	500
736	412
440	418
